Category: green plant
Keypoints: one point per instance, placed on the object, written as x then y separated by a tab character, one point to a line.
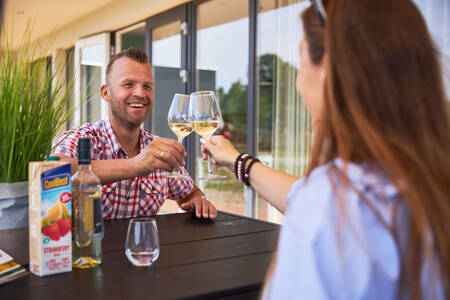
33	108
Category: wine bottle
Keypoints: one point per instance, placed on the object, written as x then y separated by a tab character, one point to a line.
87	211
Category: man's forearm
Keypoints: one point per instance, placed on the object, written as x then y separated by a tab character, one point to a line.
109	171
194	193
113	170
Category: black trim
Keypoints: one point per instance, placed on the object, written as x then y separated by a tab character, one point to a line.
70	57
112	44
148	50
252	86
252	96
190	140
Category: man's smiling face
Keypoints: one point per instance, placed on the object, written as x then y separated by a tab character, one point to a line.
129	91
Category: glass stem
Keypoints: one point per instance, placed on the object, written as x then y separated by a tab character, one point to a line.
210	172
209	165
180	140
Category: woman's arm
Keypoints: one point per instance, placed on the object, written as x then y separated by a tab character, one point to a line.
270	184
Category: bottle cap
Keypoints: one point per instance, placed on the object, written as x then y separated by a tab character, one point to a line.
52	158
84	151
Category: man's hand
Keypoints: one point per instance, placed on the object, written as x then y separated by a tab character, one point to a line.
201	205
161	153
196	201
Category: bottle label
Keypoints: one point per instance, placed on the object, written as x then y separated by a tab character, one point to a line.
98	215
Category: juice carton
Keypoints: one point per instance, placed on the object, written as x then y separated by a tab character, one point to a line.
50	210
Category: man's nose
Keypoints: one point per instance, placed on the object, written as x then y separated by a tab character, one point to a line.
139	91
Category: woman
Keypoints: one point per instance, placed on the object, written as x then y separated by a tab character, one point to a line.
371	218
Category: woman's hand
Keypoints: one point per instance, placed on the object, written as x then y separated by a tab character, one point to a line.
221	150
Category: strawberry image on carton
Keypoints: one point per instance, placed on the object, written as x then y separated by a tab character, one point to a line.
50	211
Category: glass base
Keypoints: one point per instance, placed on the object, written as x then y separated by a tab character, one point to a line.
86	262
212	177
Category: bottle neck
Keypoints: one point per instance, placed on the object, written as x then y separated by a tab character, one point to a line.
84	167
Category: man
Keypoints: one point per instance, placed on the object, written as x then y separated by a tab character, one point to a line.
130	162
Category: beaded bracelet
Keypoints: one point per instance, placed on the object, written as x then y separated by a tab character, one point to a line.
247	171
238	165
236	162
242	169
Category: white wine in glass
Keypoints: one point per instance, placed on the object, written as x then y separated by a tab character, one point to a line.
205	128
204	111
179	122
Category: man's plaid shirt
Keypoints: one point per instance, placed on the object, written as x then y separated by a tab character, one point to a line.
139	196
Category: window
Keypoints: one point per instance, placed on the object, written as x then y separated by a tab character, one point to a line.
133	36
91	57
437	16
284	136
222	67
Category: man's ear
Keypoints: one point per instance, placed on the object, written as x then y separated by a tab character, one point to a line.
104	92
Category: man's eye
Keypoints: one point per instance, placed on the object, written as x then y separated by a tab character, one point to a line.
148	87
128	84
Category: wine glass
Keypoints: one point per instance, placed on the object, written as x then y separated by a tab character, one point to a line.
142	242
179	122
204	112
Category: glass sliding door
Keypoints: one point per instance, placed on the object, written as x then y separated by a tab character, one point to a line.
284	135
166	56
91	58
437	15
222	42
133	36
166	62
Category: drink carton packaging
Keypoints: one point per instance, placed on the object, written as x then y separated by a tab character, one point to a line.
50	211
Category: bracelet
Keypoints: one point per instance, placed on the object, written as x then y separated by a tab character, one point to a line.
236	162
242	169
239	165
247	171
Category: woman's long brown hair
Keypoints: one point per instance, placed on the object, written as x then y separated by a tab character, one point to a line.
385	103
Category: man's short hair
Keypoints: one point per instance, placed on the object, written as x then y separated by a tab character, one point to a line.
136	54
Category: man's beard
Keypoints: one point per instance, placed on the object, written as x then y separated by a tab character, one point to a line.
122	116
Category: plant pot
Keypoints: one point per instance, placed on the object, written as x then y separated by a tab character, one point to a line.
13	205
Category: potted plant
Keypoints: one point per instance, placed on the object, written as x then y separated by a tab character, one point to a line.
33	110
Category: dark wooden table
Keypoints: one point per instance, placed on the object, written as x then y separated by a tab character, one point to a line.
199	259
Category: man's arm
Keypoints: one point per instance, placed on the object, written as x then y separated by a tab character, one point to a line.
161	153
198	201
108	171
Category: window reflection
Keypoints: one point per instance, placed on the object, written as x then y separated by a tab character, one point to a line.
91	76
134	37
284	135
166	63
222	66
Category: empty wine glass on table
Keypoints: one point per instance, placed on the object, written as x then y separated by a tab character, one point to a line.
179	122
142	242
204	112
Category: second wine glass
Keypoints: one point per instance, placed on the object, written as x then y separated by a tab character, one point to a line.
204	112
179	122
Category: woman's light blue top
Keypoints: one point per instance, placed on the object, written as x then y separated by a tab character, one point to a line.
325	252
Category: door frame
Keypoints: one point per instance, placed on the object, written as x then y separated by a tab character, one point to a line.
175	14
183	13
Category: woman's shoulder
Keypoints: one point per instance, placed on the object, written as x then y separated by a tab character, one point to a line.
332	230
345	179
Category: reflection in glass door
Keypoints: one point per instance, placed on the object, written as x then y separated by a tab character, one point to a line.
222	67
91	57
166	64
133	36
284	135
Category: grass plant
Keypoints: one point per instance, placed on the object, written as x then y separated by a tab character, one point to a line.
33	108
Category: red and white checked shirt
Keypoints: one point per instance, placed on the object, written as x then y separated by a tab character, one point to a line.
139	196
